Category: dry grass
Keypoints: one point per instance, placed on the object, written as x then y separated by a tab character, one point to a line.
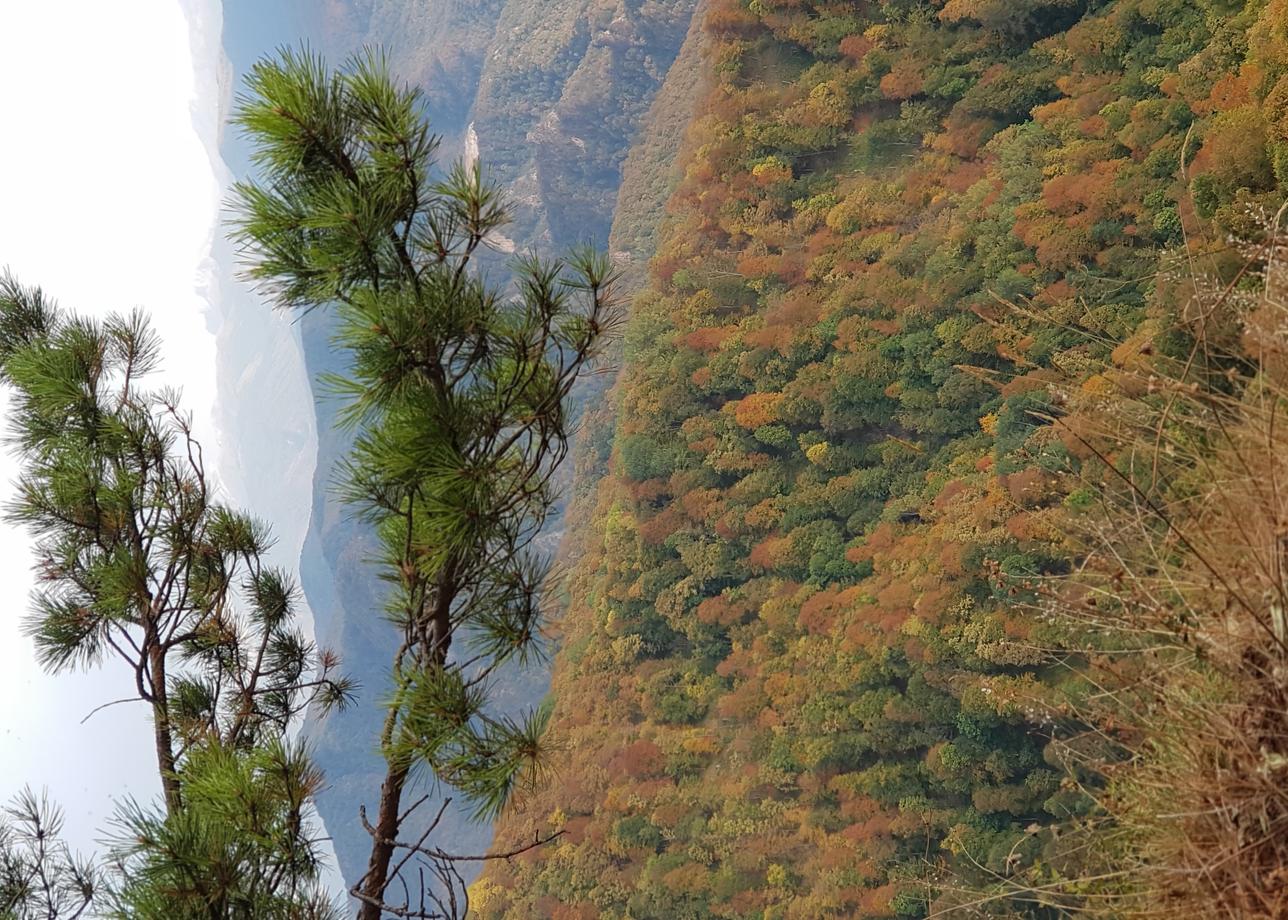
1184	587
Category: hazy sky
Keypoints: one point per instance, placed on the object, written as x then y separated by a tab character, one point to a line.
108	200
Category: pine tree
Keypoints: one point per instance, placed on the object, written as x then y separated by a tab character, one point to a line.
241	846
40	877
457	392
140	565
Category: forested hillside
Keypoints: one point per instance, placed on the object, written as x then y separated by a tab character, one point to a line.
803	669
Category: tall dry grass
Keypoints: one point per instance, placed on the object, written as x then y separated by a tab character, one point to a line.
1182	597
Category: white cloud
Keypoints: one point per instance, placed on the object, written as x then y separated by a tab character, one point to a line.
108	201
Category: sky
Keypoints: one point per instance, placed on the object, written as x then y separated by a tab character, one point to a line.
108	200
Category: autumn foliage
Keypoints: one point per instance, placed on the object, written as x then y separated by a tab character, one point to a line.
805	669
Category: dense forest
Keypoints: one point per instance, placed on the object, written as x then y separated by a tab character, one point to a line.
812	662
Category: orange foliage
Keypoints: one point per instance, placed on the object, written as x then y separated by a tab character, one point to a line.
779	338
708	338
767	554
649	490
756	409
855	47
698	504
799	307
904	80
1091	190
656	529
1028	487
639	760
721	611
704	445
731	19
1230	91
742	702
961	137
884	246
820	611
738	663
878	901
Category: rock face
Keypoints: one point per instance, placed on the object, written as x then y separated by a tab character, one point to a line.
564	89
549	94
652	166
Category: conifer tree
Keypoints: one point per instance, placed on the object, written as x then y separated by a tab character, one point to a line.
40	877
140	566
240	847
457	392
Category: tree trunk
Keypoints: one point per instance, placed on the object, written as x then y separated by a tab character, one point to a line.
388	817
161	730
382	847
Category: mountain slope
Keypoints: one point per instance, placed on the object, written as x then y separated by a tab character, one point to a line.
799	674
652	168
565	87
